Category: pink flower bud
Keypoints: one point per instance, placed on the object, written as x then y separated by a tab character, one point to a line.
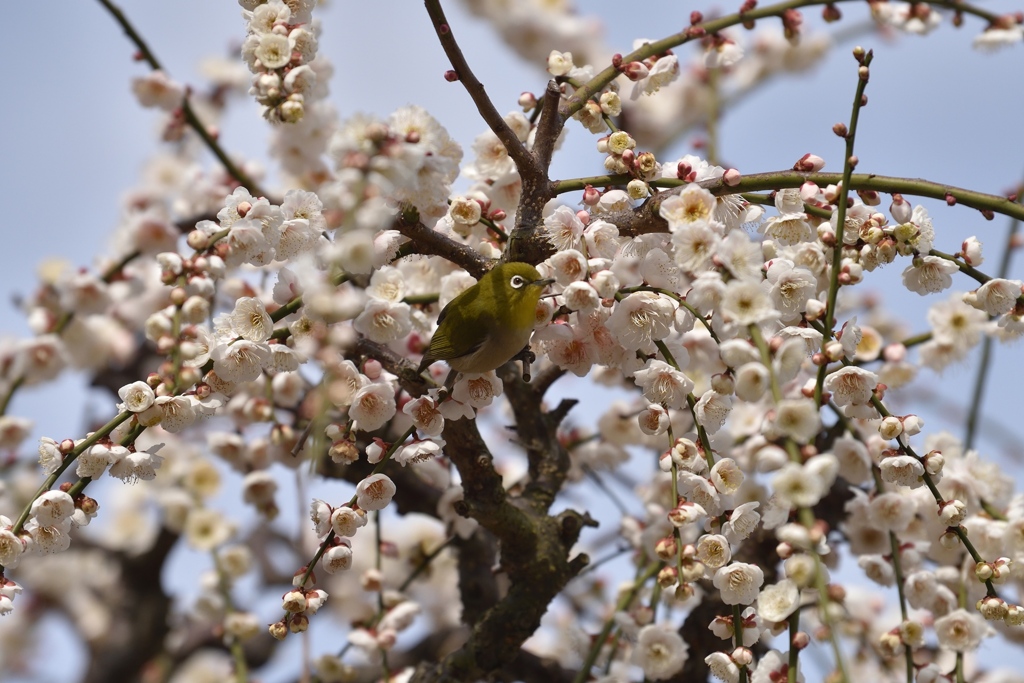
742	656
372	368
895	353
591	195
731	177
970	250
809	163
635	71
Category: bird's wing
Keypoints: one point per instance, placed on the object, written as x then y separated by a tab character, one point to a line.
451	344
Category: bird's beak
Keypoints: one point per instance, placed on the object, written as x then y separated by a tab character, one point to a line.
543	283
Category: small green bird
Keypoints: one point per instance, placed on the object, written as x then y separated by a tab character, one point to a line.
488	324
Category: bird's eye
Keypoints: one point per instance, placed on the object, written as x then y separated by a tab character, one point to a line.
517	281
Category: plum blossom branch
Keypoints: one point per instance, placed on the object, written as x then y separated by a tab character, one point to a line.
978	393
849	162
209	140
72	455
699	30
645	218
624	602
329	538
432	242
516	149
929	482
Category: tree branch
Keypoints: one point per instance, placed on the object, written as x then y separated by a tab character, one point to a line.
190	115
700	30
516	149
430	241
645	219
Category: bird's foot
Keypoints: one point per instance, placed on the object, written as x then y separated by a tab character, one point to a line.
527	357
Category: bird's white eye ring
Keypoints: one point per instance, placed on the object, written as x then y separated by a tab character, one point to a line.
517	281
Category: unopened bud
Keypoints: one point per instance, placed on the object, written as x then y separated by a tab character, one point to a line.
198	240
809	163
635	71
298	623
667	577
279	630
949	540
742	656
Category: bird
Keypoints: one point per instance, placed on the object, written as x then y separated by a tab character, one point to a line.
487	325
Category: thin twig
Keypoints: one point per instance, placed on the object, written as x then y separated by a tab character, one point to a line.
190	116
978	394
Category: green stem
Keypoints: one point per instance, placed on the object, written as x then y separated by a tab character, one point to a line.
624	601
778	180
766	359
794	653
807	519
713	113
837	249
978	394
5	400
737	634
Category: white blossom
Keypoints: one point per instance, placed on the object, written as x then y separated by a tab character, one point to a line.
778	600
372	406
375	492
425	415
137	396
712	410
851	385
961	631
660	651
641	319
739	583
929	274
477	390
250	320
337	558
995	297
661	383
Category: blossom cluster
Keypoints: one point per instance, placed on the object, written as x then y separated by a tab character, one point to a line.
758	385
279	47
